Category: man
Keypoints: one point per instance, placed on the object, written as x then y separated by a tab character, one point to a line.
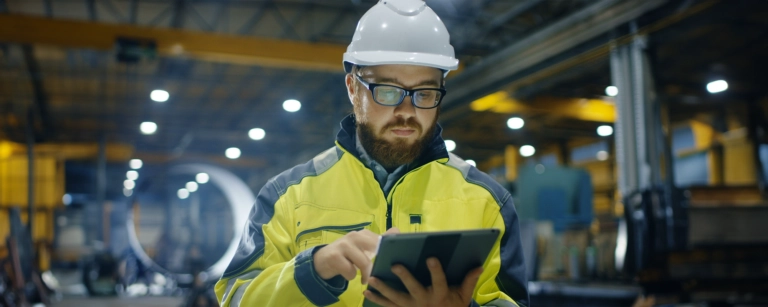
314	228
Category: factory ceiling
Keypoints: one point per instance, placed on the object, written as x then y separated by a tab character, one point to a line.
82	71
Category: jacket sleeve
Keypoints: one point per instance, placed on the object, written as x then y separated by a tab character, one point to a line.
503	281
266	271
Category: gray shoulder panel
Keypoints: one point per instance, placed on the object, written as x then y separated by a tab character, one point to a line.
473	175
318	165
459	164
325	160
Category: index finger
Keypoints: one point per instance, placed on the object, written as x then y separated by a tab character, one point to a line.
361	261
365	240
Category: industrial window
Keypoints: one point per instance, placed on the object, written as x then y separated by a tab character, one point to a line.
588	152
691	166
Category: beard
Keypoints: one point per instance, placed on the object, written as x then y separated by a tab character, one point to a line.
391	154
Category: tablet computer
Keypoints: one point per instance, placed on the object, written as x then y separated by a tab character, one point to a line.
458	252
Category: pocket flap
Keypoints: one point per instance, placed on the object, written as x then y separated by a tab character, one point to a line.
311	218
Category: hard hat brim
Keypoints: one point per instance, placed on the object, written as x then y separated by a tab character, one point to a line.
372	58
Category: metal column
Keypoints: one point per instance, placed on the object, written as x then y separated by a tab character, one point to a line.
628	68
654	209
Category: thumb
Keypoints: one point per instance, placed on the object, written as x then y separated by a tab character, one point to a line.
393	230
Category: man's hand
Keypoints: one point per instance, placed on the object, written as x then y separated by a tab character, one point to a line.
438	294
348	254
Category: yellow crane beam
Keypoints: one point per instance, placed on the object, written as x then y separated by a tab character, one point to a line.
117	152
595	110
216	47
114	152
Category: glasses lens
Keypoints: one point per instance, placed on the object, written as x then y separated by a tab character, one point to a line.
387	95
427	98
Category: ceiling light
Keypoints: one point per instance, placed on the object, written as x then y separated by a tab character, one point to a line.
191	186
132	175
602	155
135	163
717	86
159	95
291	105
232	153
612	91
66	199
527	150
257	134
127	192
129	184
182	193
450	145
471	162
148	127
515	123
604	130
201	178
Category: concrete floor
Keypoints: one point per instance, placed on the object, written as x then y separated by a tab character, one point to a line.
119	302
72	293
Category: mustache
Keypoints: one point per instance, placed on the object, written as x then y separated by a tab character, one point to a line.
400	122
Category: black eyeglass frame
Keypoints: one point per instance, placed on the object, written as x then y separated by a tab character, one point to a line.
406	92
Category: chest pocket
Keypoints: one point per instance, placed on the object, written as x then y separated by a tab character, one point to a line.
316	225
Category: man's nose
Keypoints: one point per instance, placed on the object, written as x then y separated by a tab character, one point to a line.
406	108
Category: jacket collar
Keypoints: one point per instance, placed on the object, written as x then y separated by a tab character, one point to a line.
346	138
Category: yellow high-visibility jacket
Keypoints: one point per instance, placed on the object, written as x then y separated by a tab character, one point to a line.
315	203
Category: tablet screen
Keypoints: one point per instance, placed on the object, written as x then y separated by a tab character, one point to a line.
458	252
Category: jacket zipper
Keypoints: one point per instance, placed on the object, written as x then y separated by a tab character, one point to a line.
392	192
388	198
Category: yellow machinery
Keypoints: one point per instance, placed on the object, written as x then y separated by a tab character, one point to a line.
48	183
48	191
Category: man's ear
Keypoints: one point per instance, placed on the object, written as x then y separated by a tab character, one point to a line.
443	75
351	89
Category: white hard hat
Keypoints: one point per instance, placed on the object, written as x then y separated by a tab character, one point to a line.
401	32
